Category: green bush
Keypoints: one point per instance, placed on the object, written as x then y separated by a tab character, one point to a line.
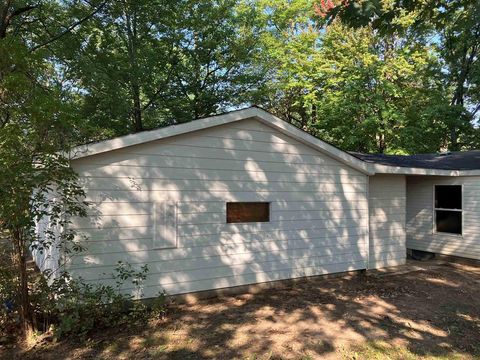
8	313
74	306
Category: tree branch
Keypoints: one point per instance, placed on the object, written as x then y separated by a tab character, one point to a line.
7	18
70	28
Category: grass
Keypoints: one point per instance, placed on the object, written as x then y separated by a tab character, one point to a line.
381	350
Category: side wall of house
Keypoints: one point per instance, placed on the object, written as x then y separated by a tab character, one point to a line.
163	204
387	200
420	217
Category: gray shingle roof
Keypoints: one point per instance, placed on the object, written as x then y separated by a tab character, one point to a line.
456	160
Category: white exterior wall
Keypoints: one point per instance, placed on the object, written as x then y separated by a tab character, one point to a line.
318	221
387	199
420	227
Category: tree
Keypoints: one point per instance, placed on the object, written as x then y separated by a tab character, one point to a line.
458	26
358	88
453	27
66	67
35	131
144	64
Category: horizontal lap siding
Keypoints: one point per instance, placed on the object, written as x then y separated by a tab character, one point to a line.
420	226
318	220
387	200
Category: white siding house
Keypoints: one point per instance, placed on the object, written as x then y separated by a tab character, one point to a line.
244	198
163	203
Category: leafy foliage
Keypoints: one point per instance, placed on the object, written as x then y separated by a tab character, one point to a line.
144	64
358	88
74	306
453	29
8	289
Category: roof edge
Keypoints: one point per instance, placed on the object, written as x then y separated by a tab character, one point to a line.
260	114
300	135
120	142
402	170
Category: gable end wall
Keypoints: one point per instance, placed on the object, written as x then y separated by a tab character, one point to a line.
319	210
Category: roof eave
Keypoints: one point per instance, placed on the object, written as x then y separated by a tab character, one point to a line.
201	124
400	170
162	133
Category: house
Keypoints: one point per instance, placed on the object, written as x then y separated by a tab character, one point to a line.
244	198
443	200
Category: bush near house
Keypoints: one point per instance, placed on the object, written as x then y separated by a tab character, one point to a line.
71	306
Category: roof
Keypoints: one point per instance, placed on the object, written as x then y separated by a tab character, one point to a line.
457	160
200	124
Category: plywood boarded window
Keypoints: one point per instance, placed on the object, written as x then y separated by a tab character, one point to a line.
165	225
448	209
244	212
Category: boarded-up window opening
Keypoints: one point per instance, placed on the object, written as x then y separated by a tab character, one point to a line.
448	209
165	225
243	212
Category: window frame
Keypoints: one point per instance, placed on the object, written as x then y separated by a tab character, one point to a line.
269	204
435	231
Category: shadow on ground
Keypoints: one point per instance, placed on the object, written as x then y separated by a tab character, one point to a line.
423	313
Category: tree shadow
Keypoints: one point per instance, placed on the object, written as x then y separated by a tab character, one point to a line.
434	312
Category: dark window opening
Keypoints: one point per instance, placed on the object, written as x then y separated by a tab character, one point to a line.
448	209
241	212
448	197
449	221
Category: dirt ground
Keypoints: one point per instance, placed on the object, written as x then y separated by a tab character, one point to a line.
430	313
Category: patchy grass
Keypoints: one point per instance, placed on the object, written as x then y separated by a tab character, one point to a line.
428	314
382	350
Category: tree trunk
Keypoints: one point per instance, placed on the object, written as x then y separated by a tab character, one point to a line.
20	261
131	23
381	146
137	111
458	99
4	18
453	139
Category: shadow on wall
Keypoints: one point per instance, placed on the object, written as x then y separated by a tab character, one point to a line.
432	312
318	210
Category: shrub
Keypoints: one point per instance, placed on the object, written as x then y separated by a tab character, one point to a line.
75	306
8	313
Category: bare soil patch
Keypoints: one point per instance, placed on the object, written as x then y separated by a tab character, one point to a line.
423	314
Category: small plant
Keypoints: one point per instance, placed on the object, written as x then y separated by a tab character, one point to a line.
66	305
158	307
75	306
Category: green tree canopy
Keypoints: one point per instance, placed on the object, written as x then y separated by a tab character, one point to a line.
144	64
359	88
453	27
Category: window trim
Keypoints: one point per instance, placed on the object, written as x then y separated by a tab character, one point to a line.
434	217
249	222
